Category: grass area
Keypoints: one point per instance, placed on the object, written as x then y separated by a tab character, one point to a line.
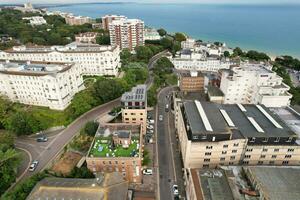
119	151
50	118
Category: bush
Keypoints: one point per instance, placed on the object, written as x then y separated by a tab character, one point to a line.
90	128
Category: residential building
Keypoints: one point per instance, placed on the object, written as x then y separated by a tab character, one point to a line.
46	84
134	104
87	37
151	34
106	186
117	147
211	135
254	84
231	183
107	19
215	94
27	7
189	59
127	33
77	20
189	43
36	20
191	82
92	59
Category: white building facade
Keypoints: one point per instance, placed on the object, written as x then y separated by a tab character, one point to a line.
197	61
93	59
151	34
51	85
126	33
36	20
254	84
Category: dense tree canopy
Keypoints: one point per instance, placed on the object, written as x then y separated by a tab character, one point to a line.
162	32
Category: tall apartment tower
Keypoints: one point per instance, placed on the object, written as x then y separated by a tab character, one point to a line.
134	104
127	33
107	19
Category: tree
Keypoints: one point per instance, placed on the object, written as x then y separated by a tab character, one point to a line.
23	123
258	56
180	37
143	53
90	128
166	42
103	40
162	32
107	89
226	54
238	52
82	172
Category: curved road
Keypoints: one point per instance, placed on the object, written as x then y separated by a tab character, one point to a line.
46	152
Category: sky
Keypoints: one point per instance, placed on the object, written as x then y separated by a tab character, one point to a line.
158	1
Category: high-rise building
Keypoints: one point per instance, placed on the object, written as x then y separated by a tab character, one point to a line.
254	84
134	104
191	82
107	19
127	33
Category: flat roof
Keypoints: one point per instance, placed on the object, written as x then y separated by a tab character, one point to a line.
255	121
277	183
32	68
214	91
214	184
265	128
212	113
138	93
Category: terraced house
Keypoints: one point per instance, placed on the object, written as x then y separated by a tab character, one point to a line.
232	134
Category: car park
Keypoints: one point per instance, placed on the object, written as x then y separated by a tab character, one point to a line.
42	139
147	172
175	190
33	165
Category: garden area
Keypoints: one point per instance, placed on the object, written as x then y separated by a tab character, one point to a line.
103	147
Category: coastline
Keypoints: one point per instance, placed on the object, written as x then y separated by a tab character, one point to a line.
210	28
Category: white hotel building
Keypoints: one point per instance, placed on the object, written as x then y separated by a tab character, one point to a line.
198	61
51	85
254	84
93	59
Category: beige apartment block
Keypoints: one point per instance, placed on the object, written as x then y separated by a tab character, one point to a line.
134	104
212	135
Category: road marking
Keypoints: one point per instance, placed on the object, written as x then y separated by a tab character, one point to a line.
175	176
157	174
30	160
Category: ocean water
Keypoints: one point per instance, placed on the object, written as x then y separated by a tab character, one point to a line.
270	28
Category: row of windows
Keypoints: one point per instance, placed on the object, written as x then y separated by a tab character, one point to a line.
285	162
273	156
224	146
275	150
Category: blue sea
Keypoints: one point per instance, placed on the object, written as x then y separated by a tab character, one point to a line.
270	28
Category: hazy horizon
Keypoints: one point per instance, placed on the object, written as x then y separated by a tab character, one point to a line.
153	1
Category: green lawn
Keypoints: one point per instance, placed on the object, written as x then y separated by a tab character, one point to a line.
119	150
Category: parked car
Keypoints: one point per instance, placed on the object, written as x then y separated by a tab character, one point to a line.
147	172
33	165
160	117
167	108
175	190
150	131
150	127
42	139
150	121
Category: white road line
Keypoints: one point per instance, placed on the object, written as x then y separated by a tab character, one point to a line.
169	130
30	160
157	174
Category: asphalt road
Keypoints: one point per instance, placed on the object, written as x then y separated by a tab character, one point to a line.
46	152
169	163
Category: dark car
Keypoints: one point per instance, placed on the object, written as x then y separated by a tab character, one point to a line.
42	139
